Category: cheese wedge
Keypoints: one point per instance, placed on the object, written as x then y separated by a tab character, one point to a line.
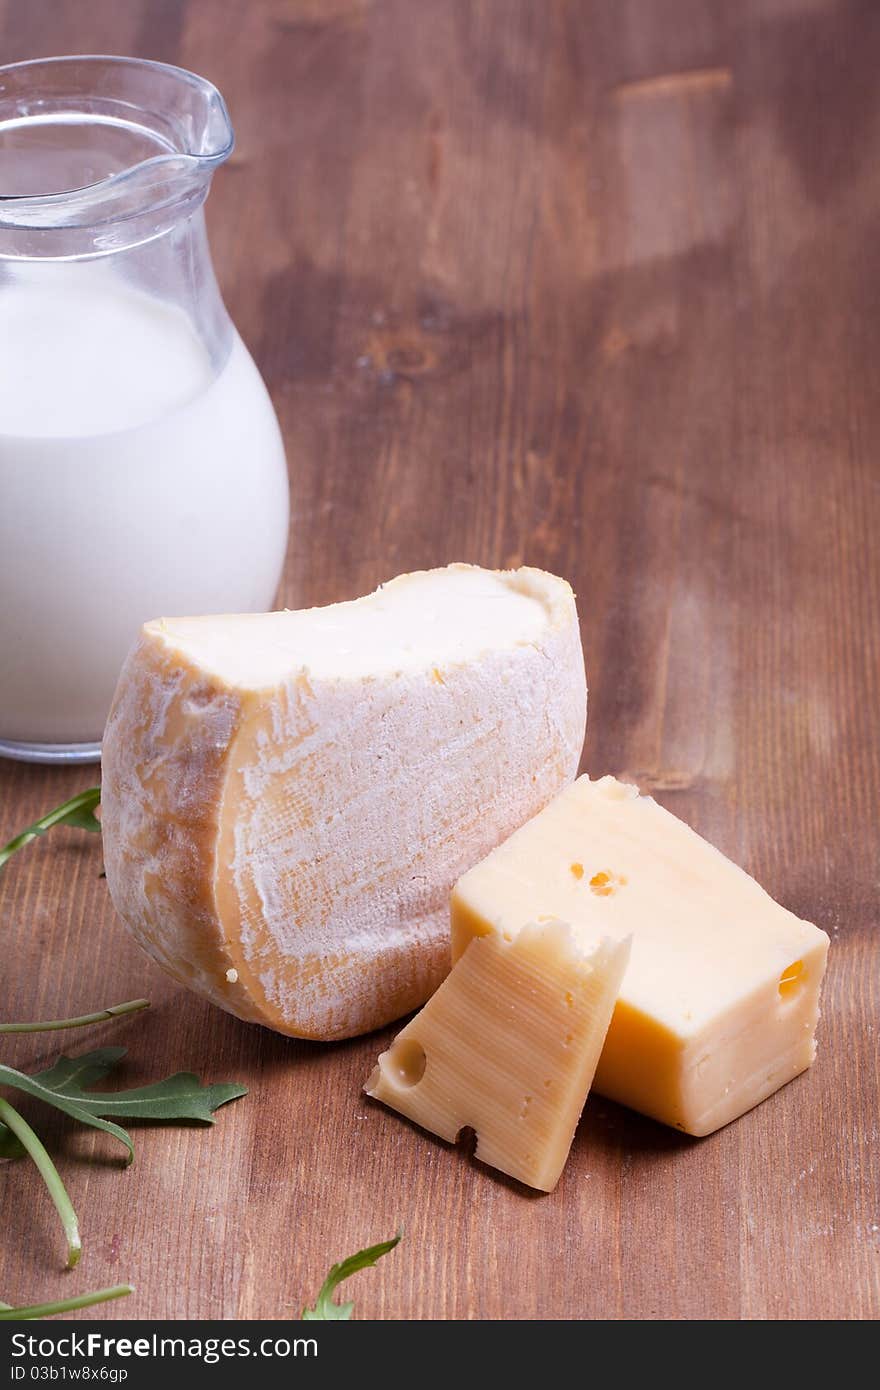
719	1004
507	1047
288	797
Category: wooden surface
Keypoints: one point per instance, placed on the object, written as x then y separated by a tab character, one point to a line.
596	287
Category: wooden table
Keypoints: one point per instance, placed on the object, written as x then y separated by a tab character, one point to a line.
596	287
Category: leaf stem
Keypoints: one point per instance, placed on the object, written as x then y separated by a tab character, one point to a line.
325	1310
132	1006
78	811
65	1305
49	1173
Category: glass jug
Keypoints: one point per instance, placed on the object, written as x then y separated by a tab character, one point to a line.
142	469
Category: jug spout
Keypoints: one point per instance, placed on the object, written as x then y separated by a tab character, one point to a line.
102	153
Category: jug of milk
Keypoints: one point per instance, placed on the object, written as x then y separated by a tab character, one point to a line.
142	470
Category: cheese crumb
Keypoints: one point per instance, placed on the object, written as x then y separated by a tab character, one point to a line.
232	976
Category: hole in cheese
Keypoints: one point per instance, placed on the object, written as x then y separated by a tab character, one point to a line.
466	1139
791	978
602	885
405	1062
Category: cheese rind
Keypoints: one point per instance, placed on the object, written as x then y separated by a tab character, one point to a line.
287	798
719	1004
507	1047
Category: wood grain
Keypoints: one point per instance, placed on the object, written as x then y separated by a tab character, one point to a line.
593	286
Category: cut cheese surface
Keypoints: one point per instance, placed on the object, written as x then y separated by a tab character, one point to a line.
719	1004
508	1047
287	798
412	624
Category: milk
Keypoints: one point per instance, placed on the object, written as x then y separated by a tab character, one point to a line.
135	481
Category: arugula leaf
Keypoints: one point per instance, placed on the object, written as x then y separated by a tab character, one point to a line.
32	1144
66	1077
65	1086
9	1077
70	1075
79	812
179	1097
325	1309
64	1305
66	1101
10	1147
132	1006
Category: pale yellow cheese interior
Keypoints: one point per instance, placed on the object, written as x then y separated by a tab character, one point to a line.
413	623
507	1047
719	1004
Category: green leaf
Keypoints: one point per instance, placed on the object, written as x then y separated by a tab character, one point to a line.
64	1100
49	1173
325	1309
70	1075
132	1006
66	1086
64	1305
9	1145
79	812
178	1097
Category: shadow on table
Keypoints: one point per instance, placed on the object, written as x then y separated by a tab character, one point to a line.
607	1126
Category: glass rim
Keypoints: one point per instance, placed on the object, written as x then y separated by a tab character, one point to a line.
182	159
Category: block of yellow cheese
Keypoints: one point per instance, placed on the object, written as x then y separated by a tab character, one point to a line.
507	1047
287	798
719	1004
